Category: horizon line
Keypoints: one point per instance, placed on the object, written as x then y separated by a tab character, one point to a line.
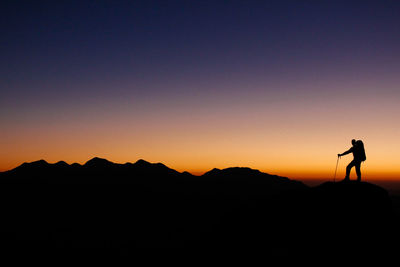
312	177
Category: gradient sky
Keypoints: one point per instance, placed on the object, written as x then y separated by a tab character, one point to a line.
278	86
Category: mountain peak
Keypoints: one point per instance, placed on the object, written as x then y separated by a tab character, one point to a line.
238	171
37	163
351	198
62	163
142	162
96	162
351	188
40	162
212	172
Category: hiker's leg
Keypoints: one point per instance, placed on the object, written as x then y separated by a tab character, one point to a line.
358	171
348	169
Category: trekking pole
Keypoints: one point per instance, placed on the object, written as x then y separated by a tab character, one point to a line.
337	163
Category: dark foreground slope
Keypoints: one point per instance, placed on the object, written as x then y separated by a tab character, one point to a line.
102	204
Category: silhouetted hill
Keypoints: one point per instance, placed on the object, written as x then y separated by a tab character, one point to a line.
33	166
353	195
98	163
351	202
142	204
94	171
155	175
251	181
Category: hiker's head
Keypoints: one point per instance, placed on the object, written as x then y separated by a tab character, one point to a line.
353	142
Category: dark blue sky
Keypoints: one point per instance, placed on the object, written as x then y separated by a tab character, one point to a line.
47	42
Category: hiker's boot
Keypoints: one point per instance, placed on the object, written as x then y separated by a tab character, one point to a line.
346	179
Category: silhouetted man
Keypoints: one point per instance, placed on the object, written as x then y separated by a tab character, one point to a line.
359	156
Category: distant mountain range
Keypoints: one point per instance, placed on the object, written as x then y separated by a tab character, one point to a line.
155	175
142	204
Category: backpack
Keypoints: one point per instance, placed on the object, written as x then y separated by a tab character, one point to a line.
361	150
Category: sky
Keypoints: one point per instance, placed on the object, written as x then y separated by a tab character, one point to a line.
279	86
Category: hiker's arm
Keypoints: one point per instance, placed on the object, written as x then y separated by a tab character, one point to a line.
345	153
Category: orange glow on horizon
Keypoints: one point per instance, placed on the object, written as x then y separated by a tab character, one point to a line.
292	173
286	137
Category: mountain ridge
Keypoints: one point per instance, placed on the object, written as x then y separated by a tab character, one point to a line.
97	162
102	162
146	204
